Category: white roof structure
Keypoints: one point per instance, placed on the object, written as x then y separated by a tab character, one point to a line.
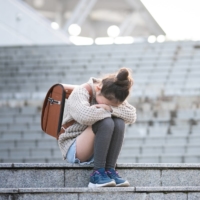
29	22
95	16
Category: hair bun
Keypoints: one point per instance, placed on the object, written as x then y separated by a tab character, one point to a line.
123	78
122	74
116	86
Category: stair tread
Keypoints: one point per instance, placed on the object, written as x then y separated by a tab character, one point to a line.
119	165
101	189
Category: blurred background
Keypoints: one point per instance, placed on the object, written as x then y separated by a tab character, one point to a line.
43	42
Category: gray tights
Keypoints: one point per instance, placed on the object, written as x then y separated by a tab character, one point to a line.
109	135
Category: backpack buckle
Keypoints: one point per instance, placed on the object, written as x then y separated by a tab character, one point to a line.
52	101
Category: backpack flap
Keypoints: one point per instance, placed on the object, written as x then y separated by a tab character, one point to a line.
52	110
68	89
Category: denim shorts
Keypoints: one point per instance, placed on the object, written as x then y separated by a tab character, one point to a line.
72	153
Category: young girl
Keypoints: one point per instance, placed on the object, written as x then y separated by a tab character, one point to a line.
98	131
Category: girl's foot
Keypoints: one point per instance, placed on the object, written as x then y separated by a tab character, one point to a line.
99	178
120	182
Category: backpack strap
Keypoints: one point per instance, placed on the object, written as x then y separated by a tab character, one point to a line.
89	89
66	125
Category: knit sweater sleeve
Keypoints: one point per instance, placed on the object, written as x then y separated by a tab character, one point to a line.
125	111
80	109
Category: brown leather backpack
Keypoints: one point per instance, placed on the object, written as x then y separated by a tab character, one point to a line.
53	108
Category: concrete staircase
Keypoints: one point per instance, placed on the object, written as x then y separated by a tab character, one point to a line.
23	181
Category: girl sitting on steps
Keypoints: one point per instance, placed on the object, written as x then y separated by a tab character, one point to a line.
98	133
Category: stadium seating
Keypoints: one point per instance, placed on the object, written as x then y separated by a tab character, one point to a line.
165	93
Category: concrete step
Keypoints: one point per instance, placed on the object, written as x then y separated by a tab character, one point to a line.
116	193
58	175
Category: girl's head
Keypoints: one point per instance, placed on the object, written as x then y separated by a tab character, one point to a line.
114	88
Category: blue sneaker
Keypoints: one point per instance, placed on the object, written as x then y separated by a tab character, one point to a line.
99	178
120	182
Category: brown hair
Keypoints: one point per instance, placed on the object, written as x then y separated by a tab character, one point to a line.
116	87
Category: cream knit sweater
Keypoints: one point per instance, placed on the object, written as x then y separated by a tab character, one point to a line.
78	108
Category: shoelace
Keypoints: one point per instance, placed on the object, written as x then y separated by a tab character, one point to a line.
102	174
114	174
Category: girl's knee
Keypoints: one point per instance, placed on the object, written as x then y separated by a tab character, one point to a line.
107	124
119	123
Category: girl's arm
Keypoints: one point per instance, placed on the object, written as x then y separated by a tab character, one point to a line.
80	109
125	111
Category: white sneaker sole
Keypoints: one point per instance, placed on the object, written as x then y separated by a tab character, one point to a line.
125	184
110	184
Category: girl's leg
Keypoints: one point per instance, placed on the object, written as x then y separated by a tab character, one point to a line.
95	140
116	142
106	143
113	152
85	144
103	131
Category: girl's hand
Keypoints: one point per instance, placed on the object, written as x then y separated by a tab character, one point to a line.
104	106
